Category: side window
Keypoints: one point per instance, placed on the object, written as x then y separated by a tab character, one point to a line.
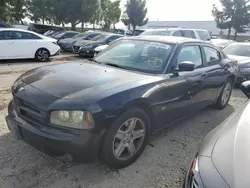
2	25
19	35
69	35
212	55
6	35
177	33
190	53
204	35
188	34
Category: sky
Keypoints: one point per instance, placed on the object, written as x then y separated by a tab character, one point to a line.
179	10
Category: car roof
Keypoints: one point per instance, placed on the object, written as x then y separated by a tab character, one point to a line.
17	29
241	43
176	28
164	39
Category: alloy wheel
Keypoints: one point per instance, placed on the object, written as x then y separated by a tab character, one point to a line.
42	55
226	93
129	139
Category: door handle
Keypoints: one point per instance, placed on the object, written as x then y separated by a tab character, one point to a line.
204	74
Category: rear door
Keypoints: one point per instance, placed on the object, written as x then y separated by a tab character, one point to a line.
26	44
216	76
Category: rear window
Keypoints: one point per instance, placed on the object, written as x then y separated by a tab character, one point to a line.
204	35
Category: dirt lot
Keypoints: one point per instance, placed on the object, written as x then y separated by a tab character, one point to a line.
162	165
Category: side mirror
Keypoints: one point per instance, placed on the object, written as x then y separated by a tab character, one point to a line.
226	63
245	88
186	66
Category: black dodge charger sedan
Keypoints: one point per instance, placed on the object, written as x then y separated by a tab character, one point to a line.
223	157
109	106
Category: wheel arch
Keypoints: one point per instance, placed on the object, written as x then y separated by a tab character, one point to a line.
142	103
42	48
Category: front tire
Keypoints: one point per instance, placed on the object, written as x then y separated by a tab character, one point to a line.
42	55
225	95
126	139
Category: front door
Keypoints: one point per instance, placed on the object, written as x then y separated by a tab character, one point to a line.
180	94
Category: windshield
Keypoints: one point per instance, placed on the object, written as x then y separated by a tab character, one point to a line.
100	37
156	32
59	35
80	35
137	55
119	31
237	49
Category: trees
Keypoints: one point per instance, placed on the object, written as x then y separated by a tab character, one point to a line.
40	10
136	11
111	13
17	10
235	14
12	10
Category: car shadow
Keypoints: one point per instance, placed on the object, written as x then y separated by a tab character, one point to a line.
169	151
16	61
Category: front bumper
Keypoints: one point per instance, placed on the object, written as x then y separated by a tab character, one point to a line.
81	145
57	53
66	48
87	52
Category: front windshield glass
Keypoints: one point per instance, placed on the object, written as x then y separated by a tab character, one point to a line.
80	35
156	32
237	49
137	55
100	37
119	31
59	35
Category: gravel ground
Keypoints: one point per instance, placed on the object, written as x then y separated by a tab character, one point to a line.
162	165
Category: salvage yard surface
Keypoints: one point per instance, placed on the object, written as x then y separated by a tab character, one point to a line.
162	165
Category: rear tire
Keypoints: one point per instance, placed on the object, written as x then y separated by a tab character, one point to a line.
42	55
225	95
126	139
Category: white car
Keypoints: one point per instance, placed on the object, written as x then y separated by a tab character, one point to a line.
23	44
199	34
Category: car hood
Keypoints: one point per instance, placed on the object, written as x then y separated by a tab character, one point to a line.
83	42
231	156
77	79
102	47
240	59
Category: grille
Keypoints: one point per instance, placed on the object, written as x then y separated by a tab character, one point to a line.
194	183
29	111
76	49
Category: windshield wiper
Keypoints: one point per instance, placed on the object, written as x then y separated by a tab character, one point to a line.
115	65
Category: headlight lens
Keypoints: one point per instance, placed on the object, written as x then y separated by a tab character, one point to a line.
72	119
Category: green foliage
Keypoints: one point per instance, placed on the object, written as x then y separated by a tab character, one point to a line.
12	10
104	12
17	10
111	13
136	11
235	14
40	10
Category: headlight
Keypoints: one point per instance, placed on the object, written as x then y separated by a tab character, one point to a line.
193	178
244	67
72	119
